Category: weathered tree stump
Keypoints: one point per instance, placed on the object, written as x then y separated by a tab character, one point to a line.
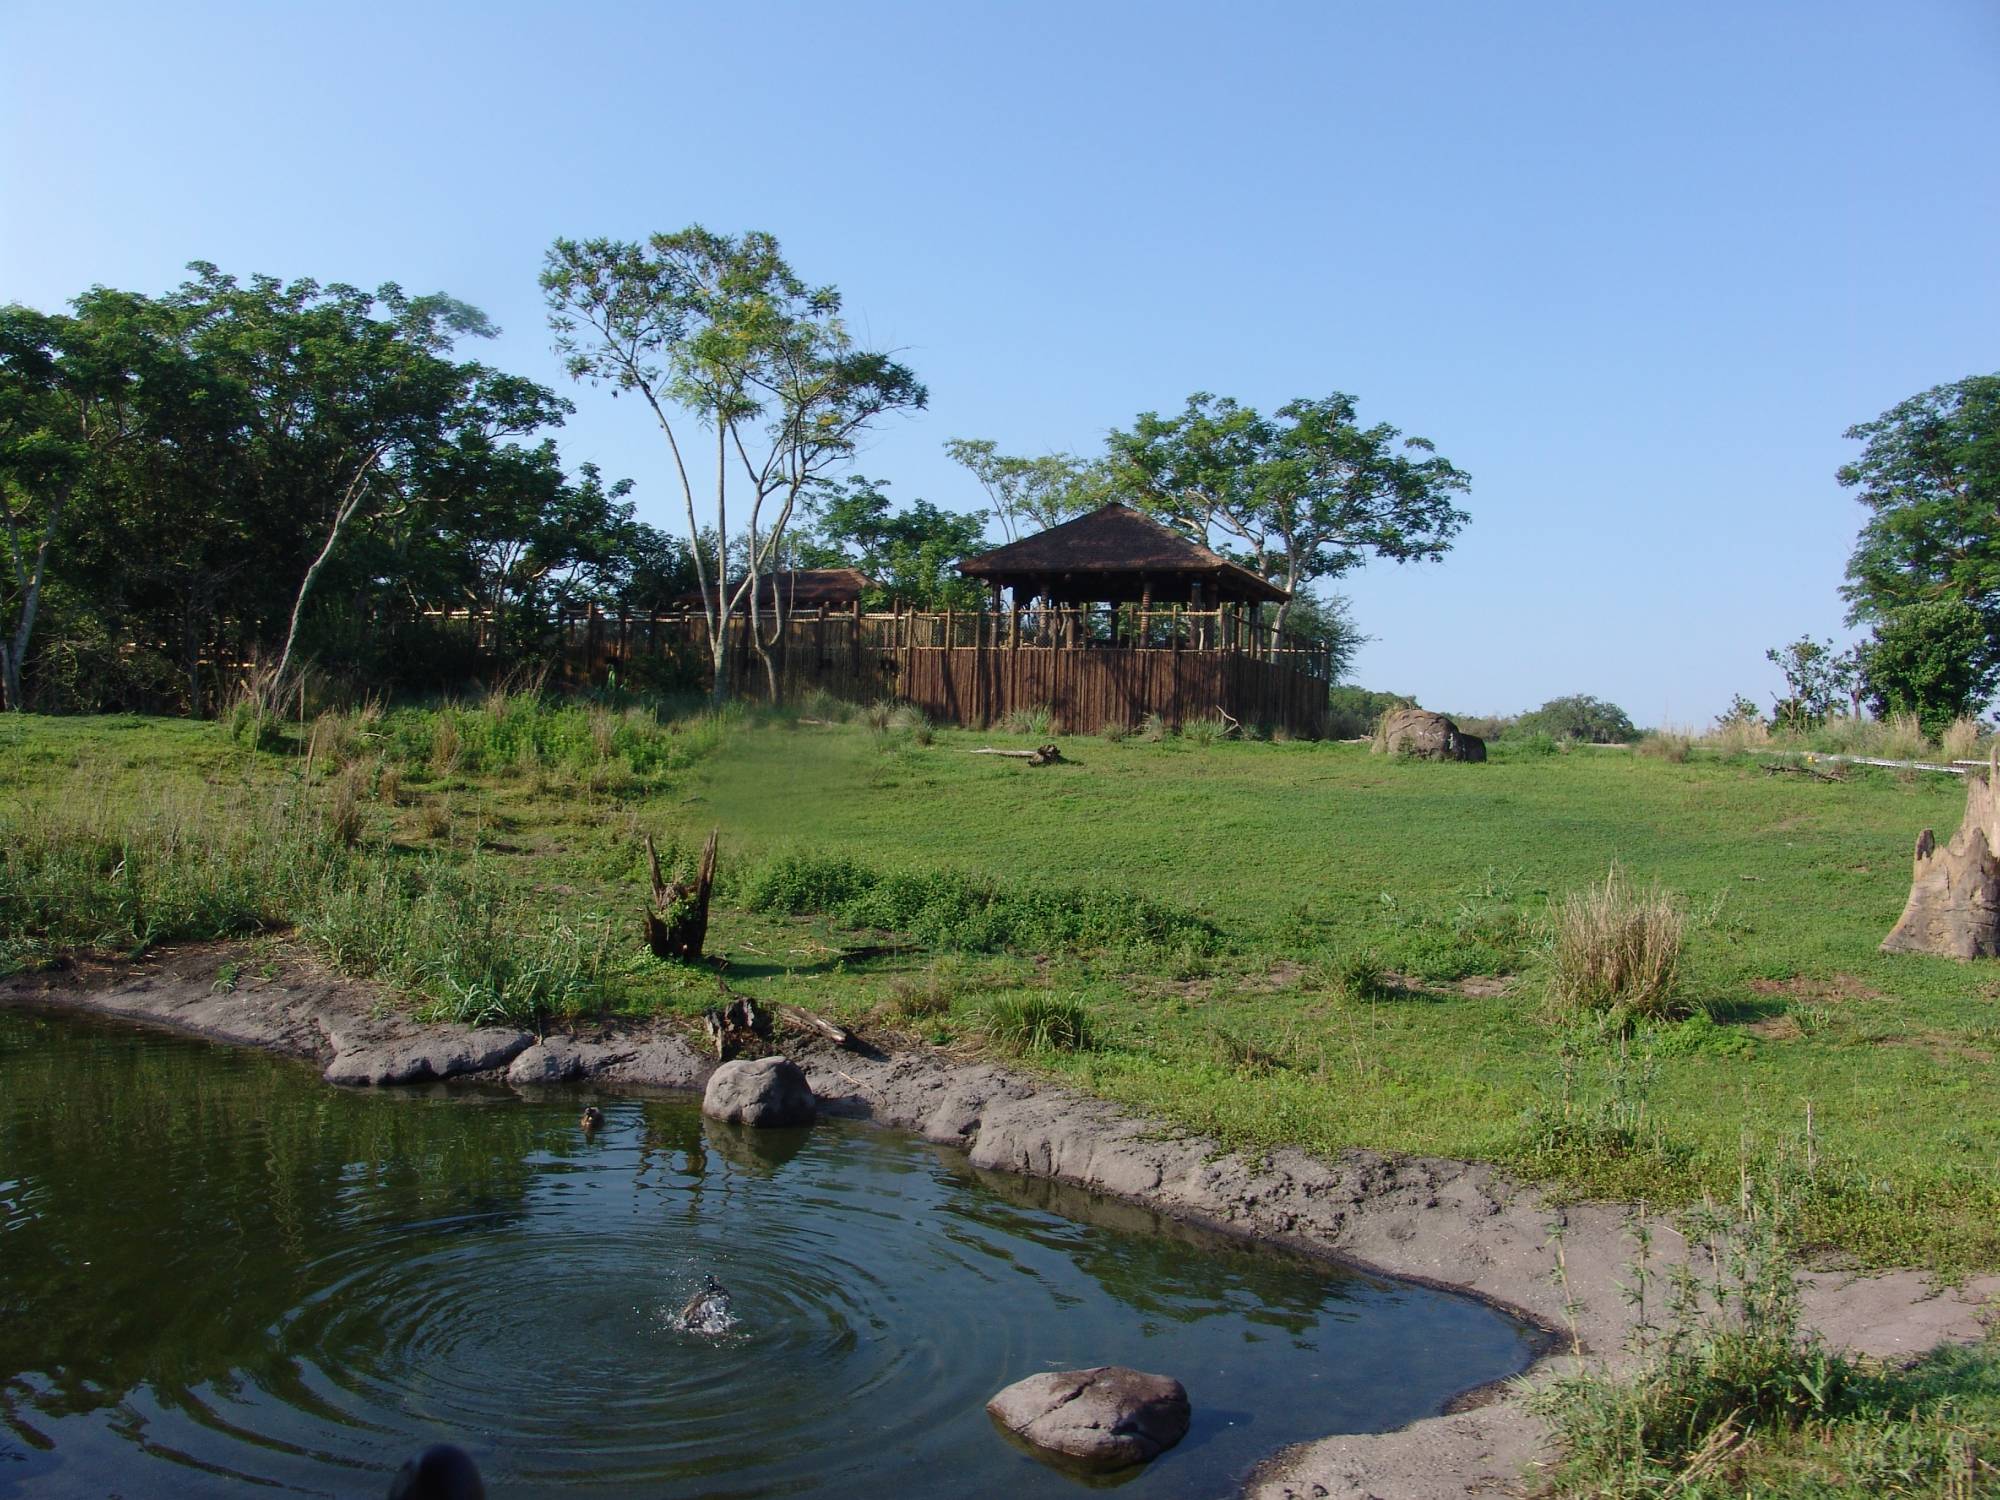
1954	905
677	921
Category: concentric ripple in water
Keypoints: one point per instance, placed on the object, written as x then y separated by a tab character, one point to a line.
218	1276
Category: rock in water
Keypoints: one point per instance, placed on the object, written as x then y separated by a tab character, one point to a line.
708	1310
1427	736
1103	1418
770	1091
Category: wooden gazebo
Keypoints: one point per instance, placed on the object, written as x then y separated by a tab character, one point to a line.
1115	555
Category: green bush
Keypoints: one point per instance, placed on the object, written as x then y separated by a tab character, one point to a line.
1578	717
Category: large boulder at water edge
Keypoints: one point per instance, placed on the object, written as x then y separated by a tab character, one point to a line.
1428	736
769	1091
1101	1418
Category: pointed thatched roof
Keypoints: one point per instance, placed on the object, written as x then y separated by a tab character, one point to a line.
1109	554
802	588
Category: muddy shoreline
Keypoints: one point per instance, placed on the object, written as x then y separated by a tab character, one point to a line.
1457	1225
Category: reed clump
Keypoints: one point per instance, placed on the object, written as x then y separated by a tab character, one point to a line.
1616	951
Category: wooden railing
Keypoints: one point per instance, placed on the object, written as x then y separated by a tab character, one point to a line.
825	632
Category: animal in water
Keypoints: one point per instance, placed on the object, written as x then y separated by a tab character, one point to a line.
440	1472
708	1310
593	1119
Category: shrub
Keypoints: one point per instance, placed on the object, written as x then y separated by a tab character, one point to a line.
1726	1373
1578	717
1616	952
1667	744
1020	1024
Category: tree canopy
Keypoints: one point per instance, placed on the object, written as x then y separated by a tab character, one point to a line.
203	479
1929	474
1300	496
910	553
717	332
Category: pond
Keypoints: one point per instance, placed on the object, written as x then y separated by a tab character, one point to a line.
219	1275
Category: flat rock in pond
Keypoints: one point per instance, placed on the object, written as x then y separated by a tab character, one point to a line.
1103	1418
423	1058
766	1091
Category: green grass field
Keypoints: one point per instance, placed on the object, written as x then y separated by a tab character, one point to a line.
1273	942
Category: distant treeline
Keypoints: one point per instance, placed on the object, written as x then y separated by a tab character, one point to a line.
175	470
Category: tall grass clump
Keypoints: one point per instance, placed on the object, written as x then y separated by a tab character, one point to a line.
1153	729
1960	739
1039	721
1021	1024
1616	951
1205	732
970	914
1671	745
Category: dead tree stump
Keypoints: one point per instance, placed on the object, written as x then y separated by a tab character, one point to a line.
677	921
1954	905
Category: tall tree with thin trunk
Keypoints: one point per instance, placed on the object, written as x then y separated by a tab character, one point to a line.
716	332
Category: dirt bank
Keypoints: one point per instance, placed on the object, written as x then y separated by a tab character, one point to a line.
1454	1224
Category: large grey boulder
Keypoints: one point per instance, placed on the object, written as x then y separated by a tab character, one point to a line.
767	1091
1107	1417
430	1055
1427	736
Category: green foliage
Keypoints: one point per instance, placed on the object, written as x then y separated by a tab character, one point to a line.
1032	494
1929	474
1934	659
1024	1024
1352	712
1577	717
717	331
1732	1396
1305	494
1816	678
911	554
951	911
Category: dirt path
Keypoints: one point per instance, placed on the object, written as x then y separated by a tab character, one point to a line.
1453	1224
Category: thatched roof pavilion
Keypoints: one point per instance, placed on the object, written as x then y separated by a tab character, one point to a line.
1116	555
795	589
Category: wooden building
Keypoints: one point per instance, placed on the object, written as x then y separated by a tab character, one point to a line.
795	589
1106	619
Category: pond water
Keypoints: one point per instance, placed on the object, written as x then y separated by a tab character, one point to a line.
219	1275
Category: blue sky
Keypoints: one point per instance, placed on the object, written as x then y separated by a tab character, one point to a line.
1635	268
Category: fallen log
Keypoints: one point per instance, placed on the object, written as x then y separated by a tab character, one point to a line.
677	920
1041	755
807	1020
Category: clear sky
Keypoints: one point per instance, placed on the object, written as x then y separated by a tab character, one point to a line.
1634	267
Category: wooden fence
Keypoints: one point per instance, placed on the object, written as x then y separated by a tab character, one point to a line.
1090	667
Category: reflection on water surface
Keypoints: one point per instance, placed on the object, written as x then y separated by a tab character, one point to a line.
218	1274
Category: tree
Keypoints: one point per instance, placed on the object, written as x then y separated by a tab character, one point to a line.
1032	494
1929	474
718	331
1304	495
1933	660
910	553
1579	717
1816	677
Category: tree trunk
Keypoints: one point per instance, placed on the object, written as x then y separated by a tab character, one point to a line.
677	921
1954	905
